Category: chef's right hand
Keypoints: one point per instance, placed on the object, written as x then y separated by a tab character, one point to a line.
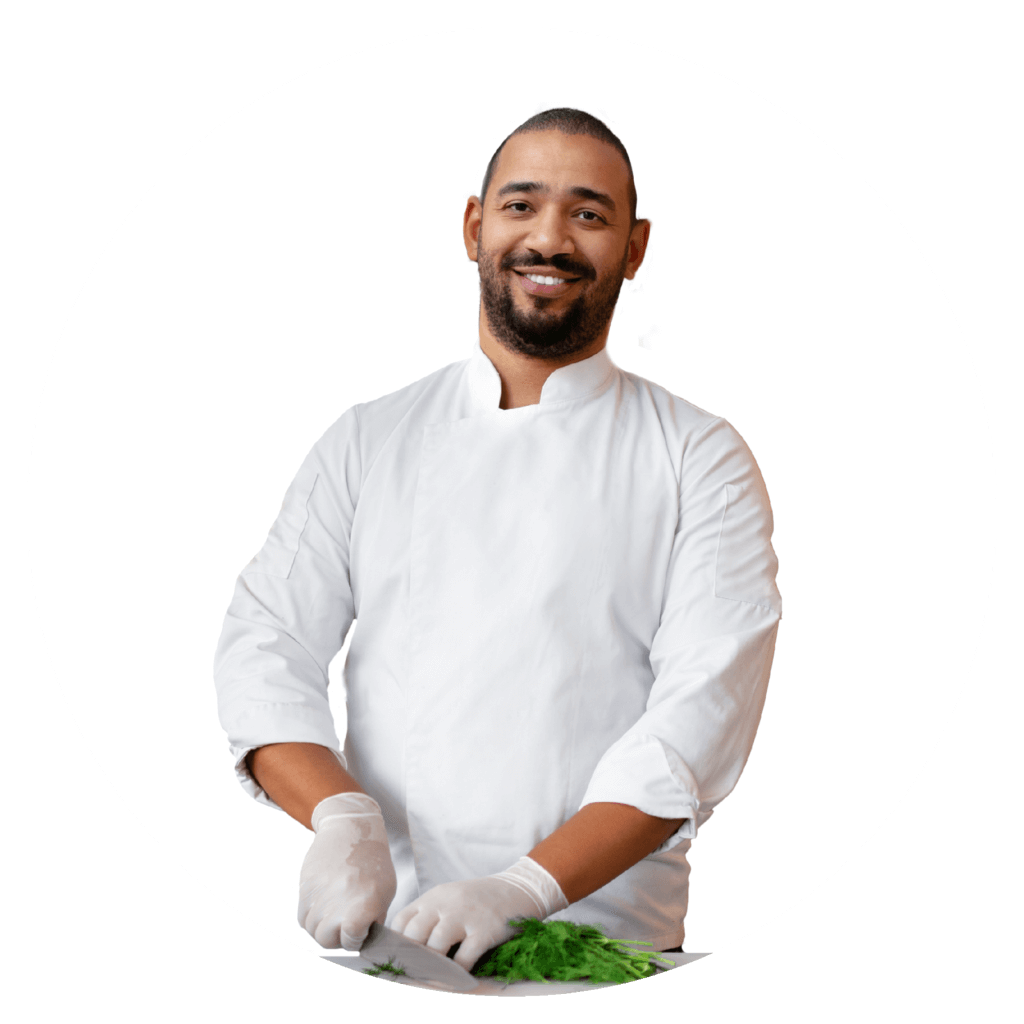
347	880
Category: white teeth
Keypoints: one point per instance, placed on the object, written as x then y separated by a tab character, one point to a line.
538	279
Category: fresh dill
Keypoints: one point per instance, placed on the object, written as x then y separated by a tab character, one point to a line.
563	951
390	967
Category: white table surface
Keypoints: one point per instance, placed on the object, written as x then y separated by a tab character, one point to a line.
489	986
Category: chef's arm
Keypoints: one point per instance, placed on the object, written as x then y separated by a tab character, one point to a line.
598	843
297	776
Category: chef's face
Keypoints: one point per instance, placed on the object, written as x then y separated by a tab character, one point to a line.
553	242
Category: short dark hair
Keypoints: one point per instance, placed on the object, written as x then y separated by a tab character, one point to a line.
568	121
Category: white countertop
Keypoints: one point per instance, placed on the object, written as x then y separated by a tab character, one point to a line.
489	986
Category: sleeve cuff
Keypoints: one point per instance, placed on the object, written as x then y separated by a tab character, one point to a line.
645	772
245	777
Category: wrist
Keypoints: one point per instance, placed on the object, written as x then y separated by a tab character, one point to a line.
538	883
344	805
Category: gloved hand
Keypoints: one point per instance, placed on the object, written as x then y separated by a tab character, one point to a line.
476	913
347	880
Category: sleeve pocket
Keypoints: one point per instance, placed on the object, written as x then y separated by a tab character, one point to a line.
745	565
277	555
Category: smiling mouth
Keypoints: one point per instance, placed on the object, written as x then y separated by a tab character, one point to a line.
546	279
544	284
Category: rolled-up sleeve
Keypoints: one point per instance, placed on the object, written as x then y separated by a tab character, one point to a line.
712	652
291	610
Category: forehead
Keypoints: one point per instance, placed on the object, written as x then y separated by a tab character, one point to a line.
561	162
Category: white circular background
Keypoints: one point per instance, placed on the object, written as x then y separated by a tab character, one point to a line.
307	255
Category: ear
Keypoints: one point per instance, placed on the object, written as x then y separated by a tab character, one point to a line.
471	221
637	247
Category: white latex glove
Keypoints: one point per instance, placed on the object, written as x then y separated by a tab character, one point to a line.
476	913
347	880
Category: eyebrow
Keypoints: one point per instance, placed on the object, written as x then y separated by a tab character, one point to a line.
577	191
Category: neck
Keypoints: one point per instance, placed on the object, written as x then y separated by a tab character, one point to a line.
523	376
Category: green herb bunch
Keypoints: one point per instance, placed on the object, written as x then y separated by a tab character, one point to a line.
563	951
391	967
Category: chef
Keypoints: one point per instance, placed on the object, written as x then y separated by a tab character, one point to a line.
564	593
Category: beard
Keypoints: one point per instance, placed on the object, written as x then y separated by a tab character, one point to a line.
540	331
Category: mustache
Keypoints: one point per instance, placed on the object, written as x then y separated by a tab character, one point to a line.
515	260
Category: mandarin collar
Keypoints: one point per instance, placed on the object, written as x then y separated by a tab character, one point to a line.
577	380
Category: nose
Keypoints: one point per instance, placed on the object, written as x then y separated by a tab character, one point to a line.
549	235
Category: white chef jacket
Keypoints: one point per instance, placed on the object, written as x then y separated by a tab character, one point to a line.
558	604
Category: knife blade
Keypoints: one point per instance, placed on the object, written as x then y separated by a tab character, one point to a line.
418	961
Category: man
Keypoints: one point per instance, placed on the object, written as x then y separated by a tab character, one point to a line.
566	603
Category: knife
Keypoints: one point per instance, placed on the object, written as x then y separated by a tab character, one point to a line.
419	962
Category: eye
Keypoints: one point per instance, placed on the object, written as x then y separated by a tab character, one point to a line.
518	202
589	216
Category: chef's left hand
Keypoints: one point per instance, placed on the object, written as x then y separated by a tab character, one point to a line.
476	913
